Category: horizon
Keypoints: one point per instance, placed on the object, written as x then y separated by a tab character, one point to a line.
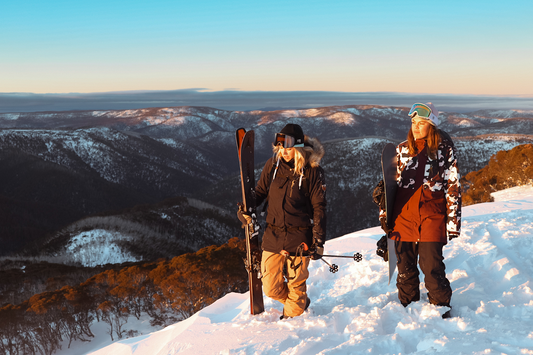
232	100
342	46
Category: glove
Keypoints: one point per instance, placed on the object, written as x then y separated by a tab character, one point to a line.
316	251
452	235
244	217
378	195
384	226
382	248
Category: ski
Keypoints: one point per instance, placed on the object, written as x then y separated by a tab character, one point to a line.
245	148
388	166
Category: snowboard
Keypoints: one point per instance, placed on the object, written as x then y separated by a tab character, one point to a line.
245	148
388	167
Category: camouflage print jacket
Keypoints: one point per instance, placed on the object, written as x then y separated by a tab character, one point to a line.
430	209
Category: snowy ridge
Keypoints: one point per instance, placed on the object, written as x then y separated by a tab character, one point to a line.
92	152
215	127
216	119
98	247
344	118
354	311
504	113
99	149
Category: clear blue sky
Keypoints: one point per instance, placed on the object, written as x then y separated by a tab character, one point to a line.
447	47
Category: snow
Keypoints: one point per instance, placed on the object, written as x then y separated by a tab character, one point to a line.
467	123
154	120
313	112
11	116
506	113
513	193
291	113
355	311
354	111
342	118
98	247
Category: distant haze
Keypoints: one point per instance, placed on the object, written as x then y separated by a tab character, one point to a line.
250	100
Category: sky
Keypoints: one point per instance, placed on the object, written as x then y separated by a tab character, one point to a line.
356	311
417	47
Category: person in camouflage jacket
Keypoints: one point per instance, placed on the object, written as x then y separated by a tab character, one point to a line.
427	207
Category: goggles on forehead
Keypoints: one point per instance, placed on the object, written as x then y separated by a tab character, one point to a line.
421	110
286	141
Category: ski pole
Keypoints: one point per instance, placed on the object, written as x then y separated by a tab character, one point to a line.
357	256
332	268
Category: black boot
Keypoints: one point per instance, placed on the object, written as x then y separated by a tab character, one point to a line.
307	303
447	314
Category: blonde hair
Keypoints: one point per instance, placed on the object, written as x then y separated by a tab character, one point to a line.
301	157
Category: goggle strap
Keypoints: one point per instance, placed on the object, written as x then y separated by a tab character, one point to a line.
287	141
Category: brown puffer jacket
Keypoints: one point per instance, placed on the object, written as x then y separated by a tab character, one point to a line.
296	209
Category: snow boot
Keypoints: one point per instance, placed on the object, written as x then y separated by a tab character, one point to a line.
447	314
307	303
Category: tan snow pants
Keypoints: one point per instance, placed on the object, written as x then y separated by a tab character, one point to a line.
293	293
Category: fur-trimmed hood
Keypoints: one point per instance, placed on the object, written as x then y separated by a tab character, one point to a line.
316	152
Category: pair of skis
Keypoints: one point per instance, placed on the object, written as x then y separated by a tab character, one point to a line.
245	147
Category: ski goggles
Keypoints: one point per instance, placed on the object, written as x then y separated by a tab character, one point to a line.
286	141
421	110
424	111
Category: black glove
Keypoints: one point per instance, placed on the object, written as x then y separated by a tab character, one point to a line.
452	235
382	248
316	251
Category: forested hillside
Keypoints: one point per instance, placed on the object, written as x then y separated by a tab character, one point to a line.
166	290
505	169
146	232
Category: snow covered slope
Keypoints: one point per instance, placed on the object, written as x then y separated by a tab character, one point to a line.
354	311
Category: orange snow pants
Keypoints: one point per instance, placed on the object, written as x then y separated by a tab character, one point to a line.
293	293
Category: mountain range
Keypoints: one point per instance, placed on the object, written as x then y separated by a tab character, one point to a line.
62	170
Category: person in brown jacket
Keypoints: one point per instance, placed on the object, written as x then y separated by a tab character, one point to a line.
427	207
293	187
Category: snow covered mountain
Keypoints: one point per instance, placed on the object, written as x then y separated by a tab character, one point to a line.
74	164
354	311
211	126
148	232
51	178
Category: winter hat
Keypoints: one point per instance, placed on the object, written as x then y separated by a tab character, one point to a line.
294	131
433	116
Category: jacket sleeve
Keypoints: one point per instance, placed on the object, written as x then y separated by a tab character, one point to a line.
317	195
452	189
261	190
